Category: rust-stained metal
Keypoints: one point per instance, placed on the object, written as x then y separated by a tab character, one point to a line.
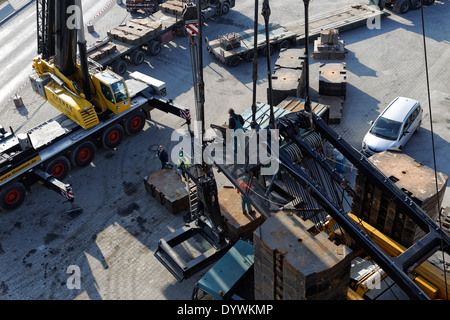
169	189
414	179
239	225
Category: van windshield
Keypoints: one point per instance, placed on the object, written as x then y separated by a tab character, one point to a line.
385	128
120	91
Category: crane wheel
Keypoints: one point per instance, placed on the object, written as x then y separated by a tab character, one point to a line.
12	195
135	123
83	154
113	136
59	168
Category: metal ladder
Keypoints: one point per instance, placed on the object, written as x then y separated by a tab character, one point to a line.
193	198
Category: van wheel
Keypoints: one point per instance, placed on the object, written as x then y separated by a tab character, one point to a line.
83	154
59	168
225	8
12	196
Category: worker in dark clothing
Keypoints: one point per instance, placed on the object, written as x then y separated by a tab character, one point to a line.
163	156
236	122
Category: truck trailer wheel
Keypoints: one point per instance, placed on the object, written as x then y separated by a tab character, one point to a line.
137	57
12	195
83	154
264	50
415	4
135	123
112	136
402	6
58	168
120	67
285	44
234	61
154	48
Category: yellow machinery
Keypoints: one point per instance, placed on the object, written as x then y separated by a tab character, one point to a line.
110	93
79	92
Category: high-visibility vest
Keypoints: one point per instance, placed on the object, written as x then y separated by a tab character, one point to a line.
183	162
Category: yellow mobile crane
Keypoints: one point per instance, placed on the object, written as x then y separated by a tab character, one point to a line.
78	91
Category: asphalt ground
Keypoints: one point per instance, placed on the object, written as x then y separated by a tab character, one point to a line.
113	241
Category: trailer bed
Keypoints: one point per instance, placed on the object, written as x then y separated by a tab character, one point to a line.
342	19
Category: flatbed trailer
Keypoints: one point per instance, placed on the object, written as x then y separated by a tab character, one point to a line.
231	49
115	53
47	152
147	35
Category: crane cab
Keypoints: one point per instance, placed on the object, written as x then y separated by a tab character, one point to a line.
111	92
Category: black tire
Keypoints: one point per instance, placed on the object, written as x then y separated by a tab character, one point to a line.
250	55
264	50
415	4
113	136
137	57
120	67
135	123
12	195
154	48
83	154
402	6
224	9
285	44
234	61
59	168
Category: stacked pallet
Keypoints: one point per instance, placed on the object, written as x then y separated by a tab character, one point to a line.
288	78
102	51
294	262
135	31
173	7
414	179
333	88
328	45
